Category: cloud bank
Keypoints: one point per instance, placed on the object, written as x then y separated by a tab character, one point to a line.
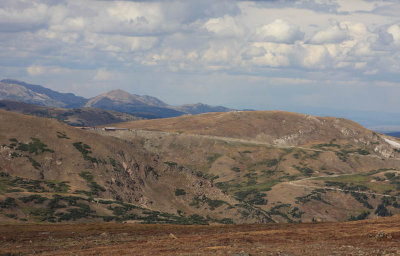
351	43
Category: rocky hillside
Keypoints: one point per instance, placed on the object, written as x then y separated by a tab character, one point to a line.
294	167
276	128
20	93
74	117
52	172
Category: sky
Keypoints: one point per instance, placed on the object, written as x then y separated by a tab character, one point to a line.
306	55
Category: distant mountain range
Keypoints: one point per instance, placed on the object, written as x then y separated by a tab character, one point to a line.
116	100
36	94
71	116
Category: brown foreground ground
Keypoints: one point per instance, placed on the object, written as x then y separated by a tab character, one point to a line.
371	237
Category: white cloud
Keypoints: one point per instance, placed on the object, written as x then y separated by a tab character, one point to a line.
102	75
224	26
278	31
301	39
315	56
217	54
276	55
118	43
35	70
26	18
394	31
334	34
359	5
253	51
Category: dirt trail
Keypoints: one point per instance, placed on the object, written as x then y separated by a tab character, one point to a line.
295	183
144	133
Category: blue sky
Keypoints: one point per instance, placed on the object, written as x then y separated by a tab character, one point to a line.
293	55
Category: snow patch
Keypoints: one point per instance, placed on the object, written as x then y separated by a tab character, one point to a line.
393	143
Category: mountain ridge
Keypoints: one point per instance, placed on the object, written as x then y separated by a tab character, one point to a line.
83	117
69	100
274	127
117	100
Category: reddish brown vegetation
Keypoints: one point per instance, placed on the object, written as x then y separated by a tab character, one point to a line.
372	237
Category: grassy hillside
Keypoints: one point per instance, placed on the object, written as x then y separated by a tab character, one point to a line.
52	172
275	127
291	183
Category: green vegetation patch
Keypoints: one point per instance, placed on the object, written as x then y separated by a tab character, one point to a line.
382	211
331	144
171	164
85	150
362	182
315	195
34	163
62	135
95	188
361	216
281	210
235	169
266	162
251	196
211	159
41	214
37	199
34	147
306	171
212	203
8	203
180	192
79	212
362	198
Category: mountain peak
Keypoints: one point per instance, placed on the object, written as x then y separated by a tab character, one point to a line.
117	100
51	97
120	95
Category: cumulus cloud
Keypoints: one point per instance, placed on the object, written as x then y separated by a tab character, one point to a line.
334	34
298	39
276	55
394	31
315	56
253	51
224	26
278	31
102	75
35	70
339	32
27	17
